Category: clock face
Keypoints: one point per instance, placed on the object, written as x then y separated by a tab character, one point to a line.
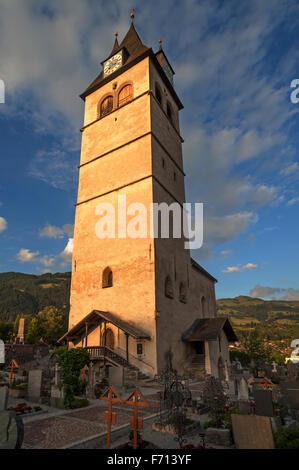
112	64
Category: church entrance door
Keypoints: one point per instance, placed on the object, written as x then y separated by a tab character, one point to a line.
108	338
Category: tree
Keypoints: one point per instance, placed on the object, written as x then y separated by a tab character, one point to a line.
16	325
71	362
33	332
253	345
50	324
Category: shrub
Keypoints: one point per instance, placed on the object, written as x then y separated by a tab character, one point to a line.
287	438
71	362
79	403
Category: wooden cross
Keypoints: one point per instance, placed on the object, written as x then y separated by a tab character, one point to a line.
136	399
266	384
112	396
13	365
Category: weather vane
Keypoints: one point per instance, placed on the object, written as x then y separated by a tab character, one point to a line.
133	15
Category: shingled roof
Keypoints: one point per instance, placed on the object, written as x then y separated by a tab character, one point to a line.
134	48
205	329
92	320
135	51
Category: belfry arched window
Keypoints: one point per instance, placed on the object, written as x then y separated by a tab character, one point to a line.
169	111
125	95
158	93
183	293
107	278
106	106
168	288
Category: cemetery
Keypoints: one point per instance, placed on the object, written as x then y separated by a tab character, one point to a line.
62	401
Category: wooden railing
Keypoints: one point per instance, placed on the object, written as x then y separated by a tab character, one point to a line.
101	352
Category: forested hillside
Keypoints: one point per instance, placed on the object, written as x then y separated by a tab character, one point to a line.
28	294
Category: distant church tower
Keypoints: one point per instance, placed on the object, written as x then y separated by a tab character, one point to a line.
138	301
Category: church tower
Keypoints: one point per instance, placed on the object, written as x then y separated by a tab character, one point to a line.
132	299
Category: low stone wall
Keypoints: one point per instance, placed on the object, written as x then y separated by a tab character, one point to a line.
220	437
23	353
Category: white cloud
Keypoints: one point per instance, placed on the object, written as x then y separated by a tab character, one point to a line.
290	169
239	269
3	224
275	292
68	251
47	261
25	255
51	231
293	201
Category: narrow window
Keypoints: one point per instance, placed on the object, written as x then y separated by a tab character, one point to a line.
168	288
163	163
125	95
203	306
183	293
106	106
107	279
169	111
139	348
158	94
174	176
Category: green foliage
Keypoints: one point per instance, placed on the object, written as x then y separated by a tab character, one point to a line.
79	403
71	362
254	348
16	325
50	324
6	330
287	438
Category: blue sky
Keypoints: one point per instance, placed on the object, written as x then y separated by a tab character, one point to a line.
234	64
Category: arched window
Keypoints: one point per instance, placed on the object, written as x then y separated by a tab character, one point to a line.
125	95
106	106
169	111
158	93
183	293
168	288
203	306
107	279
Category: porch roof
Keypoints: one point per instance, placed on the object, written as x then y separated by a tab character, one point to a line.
92	319
205	329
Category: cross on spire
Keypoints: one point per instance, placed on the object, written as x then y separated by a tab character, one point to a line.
132	15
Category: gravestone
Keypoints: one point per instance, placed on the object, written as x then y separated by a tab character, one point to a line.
252	432
3	398
34	385
290	392
91	381
57	396
11	430
116	376
57	376
263	403
242	390
274	367
2	352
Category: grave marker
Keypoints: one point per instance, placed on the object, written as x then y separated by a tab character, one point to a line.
252	432
136	399
263	403
112	396
3	398
34	385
